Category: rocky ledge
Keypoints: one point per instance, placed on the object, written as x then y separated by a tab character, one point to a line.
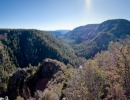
49	79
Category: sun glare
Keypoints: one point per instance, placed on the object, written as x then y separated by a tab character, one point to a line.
89	3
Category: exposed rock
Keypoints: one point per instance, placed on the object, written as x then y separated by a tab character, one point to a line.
51	76
49	79
18	85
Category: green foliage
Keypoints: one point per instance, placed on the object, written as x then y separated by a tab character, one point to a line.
33	46
105	76
6	68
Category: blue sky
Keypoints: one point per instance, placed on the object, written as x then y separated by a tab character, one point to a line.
60	14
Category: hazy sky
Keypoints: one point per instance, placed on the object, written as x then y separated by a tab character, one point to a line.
60	14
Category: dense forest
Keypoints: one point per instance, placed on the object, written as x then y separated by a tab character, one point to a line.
32	46
91	62
20	48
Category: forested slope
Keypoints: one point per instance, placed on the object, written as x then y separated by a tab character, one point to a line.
33	46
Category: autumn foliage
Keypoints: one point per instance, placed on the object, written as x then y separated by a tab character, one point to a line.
105	77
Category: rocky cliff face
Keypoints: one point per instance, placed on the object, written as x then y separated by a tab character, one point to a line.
18	85
49	79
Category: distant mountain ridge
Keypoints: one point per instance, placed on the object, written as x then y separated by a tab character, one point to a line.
79	33
90	39
59	33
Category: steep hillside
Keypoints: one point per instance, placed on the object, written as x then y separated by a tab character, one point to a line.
87	43
82	33
33	46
